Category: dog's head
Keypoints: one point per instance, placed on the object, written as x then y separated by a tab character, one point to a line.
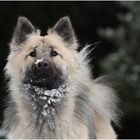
44	61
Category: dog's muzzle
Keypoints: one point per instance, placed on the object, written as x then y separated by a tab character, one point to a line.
44	74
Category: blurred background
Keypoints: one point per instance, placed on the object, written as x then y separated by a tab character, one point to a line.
113	26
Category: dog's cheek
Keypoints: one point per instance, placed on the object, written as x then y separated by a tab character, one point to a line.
26	65
61	64
18	65
73	66
64	69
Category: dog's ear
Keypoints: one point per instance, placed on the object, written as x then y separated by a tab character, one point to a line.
23	28
64	29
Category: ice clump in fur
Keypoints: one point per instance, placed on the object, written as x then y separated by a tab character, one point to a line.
54	95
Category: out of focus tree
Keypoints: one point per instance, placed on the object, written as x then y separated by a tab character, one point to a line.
124	63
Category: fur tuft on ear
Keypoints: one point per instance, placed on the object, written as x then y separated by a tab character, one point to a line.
23	28
65	30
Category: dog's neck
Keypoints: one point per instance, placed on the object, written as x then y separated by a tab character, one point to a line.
44	102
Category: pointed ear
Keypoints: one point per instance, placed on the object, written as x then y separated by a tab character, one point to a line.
64	29
23	28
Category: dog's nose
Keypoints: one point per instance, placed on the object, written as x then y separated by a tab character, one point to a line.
42	65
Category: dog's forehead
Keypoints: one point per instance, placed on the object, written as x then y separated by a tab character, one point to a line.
54	40
44	42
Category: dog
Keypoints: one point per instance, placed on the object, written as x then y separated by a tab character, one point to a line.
52	91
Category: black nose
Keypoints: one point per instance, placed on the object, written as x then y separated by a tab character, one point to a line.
42	65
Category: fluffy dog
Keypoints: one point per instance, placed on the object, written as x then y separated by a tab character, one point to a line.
52	92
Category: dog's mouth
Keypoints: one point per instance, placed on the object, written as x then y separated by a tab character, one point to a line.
44	81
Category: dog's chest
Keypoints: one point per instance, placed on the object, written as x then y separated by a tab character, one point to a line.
64	129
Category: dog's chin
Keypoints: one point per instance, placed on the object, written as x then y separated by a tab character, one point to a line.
48	84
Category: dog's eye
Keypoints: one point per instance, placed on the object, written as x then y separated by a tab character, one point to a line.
53	53
33	53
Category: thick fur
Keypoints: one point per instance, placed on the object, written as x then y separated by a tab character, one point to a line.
87	109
